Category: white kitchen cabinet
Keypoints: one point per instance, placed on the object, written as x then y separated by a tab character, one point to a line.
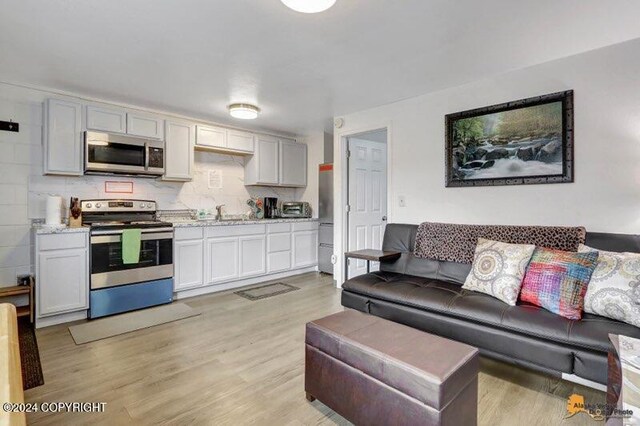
293	163
188	259
62	273
179	143
277	162
106	119
211	137
263	167
252	255
222	259
240	141
305	248
145	125
63	145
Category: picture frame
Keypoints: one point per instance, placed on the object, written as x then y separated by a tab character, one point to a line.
528	141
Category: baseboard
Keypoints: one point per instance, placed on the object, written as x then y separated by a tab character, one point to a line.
581	381
242	283
59	319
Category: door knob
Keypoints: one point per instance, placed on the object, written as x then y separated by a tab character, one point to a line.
384	218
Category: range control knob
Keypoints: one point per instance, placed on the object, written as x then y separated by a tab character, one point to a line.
143	205
89	205
98	205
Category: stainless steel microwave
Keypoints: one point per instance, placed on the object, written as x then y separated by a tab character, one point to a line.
108	153
294	209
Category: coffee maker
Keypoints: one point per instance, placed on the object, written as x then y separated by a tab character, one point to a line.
270	207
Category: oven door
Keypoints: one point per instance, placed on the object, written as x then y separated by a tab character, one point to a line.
108	270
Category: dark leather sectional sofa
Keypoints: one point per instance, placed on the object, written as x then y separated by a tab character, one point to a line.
427	294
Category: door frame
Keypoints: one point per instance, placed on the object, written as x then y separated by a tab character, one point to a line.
341	190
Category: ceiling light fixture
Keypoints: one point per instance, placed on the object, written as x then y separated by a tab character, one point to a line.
309	6
244	111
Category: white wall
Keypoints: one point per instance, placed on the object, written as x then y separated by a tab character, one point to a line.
23	188
606	193
315	157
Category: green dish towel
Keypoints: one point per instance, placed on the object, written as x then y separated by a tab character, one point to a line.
131	246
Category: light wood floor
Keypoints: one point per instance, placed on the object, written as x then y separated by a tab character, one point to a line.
241	362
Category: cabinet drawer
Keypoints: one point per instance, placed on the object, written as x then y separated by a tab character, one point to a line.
278	227
194	233
278	242
234	230
62	241
305	226
280	261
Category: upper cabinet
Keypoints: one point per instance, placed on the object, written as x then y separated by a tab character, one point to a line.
147	126
293	163
277	162
211	137
106	119
63	138
117	120
179	143
225	139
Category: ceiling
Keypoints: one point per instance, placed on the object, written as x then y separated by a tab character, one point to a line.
194	57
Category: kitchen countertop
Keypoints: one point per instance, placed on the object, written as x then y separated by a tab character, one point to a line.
202	223
42	229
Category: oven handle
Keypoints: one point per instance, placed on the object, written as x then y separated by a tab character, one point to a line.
119	231
102	239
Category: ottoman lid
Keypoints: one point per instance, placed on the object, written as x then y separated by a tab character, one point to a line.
430	368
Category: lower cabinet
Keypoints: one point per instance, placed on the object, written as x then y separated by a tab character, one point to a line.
62	273
188	259
213	255
221	259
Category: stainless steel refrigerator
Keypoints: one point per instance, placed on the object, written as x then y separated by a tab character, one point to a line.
325	214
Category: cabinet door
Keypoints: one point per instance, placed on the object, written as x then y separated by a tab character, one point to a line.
267	152
305	249
180	137
221	261
240	141
293	163
188	259
146	126
63	138
63	281
213	137
106	119
252	255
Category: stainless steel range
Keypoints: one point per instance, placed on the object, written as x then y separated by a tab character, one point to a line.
116	286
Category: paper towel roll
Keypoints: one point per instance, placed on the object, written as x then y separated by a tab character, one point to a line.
54	210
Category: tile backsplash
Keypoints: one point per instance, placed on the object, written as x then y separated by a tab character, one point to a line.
196	194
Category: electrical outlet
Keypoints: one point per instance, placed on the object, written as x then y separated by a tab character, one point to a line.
23	279
402	201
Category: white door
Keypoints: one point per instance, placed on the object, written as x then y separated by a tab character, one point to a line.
305	249
293	163
180	137
188	264
252	255
367	199
63	281
221	259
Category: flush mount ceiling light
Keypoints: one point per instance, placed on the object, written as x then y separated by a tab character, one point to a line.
244	111
309	6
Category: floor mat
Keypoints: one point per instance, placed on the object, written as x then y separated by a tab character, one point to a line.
29	355
264	291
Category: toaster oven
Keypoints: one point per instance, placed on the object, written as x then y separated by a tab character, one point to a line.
294	209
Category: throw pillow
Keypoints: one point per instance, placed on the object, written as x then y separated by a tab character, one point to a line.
498	269
614	289
557	280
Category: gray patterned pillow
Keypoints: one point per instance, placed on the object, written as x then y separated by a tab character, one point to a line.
614	289
498	269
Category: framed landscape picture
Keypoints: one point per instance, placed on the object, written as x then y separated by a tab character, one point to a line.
522	142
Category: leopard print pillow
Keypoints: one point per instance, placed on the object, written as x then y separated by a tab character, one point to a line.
457	243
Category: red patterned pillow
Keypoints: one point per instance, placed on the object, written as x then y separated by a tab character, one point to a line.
557	280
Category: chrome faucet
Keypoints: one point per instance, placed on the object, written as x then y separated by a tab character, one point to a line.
219	210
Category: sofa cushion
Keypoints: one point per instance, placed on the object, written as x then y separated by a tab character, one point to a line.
452	300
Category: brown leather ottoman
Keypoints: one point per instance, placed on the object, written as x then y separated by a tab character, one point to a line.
377	372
